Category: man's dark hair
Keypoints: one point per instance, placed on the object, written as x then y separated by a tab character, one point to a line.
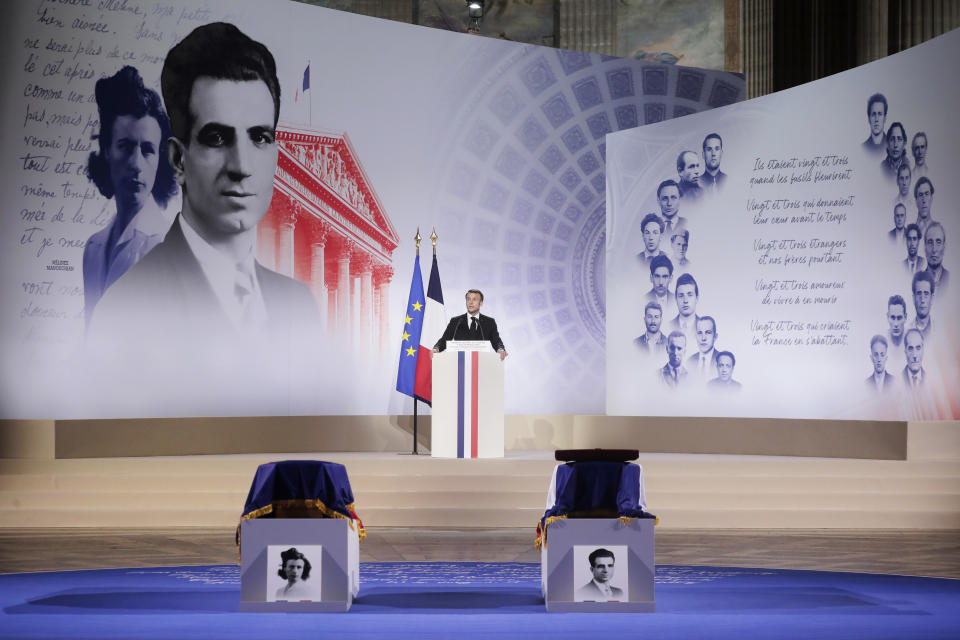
902	130
660	261
686	278
913	226
920	181
897	299
922	275
476	291
653	305
877	97
733	360
293	554
123	94
683	233
217	50
668	183
600	553
904	167
651	217
712	135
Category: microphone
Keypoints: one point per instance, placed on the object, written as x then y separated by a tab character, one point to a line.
454	336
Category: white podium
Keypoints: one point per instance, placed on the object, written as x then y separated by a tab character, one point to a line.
467	405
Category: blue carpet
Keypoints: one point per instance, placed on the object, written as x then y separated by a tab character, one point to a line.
480	600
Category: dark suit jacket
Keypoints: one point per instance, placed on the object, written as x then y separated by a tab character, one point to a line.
591	592
459	329
166	296
921	265
906	377
690	190
675	326
676	223
656	346
887	382
693	364
941	285
707	180
877	148
666	375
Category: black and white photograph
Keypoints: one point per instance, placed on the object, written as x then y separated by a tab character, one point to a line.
712	179
725	382
293	573
600	574
880	380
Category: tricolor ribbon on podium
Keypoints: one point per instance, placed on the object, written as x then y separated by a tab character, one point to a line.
468	404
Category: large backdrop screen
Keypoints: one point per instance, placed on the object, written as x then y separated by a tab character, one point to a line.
790	256
383	128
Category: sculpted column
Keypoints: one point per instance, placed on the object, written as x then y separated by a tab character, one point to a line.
587	26
285	238
318	282
365	266
757	19
343	288
267	242
384	275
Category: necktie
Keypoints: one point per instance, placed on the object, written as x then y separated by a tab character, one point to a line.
243	288
473	324
916	380
703	363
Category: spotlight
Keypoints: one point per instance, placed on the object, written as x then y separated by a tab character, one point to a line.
475	13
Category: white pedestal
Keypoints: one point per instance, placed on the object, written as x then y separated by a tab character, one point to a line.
558	563
339	566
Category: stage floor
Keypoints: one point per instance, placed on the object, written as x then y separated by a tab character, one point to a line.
478	601
914	552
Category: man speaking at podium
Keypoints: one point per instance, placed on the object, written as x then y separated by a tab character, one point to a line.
472	326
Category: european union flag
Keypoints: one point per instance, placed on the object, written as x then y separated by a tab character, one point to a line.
412	325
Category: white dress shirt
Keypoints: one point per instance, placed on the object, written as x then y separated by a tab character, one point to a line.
234	283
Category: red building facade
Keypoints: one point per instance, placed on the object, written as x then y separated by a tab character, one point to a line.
326	227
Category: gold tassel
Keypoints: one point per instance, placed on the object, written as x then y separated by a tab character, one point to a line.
314	503
541	541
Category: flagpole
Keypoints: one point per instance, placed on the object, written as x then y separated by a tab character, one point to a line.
310	115
418	238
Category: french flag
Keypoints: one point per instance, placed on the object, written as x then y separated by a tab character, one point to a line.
434	322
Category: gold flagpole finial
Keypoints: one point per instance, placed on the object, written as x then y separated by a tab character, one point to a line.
433	239
418	238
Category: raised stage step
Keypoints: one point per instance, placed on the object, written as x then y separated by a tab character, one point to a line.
686	491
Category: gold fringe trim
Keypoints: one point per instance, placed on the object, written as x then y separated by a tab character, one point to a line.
314	503
541	540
